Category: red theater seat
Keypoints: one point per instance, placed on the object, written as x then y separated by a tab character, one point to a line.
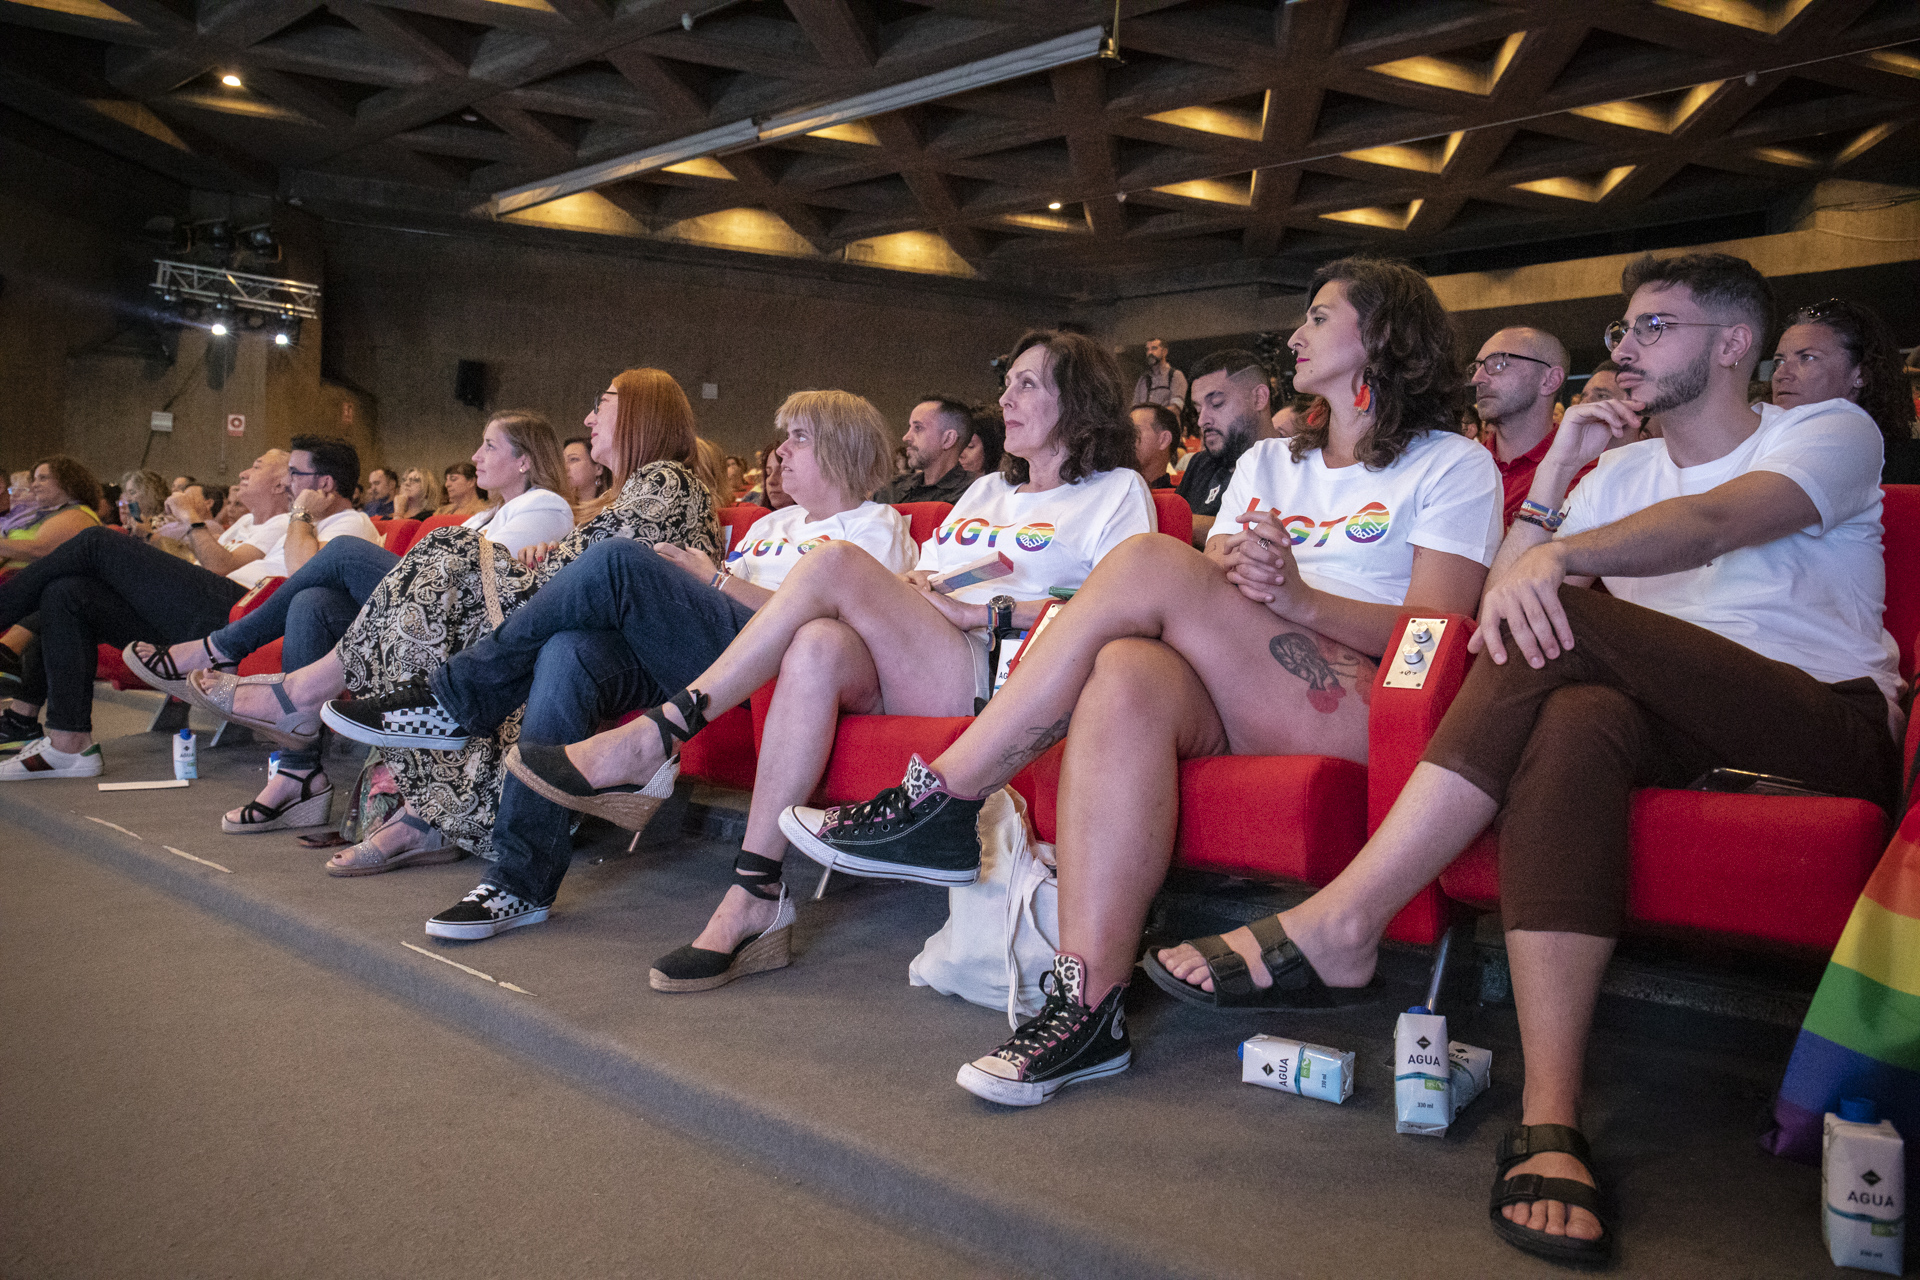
399	535
1781	870
923	518
1175	516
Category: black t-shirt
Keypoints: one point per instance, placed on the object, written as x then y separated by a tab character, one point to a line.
1206	480
1164	481
913	488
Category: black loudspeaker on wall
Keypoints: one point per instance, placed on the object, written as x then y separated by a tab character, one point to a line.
470	383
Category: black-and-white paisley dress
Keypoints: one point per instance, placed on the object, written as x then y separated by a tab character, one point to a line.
432	605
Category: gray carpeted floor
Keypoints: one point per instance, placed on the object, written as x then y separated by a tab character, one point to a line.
834	1073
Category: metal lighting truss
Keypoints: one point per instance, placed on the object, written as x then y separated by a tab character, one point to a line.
742	134
239	289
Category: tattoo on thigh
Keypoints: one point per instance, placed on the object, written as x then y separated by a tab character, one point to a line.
1034	740
1327	667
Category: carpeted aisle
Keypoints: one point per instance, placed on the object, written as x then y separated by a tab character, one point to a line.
253	1070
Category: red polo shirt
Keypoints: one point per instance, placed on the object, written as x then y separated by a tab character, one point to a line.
1516	477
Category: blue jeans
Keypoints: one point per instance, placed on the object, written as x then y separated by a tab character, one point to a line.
616	630
314	607
102	587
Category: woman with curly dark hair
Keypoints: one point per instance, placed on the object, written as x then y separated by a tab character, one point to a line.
1264	644
845	634
1839	350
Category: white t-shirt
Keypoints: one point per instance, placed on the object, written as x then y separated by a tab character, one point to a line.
1054	538
774	543
271	538
536	516
1354	530
268	537
1812	599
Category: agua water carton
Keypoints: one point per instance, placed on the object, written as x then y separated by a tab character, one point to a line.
1310	1070
1863	1181
1422	1073
1470	1070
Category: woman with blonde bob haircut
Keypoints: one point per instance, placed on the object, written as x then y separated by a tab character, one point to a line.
625	623
451	589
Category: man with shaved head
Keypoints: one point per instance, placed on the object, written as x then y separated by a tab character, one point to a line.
1514	380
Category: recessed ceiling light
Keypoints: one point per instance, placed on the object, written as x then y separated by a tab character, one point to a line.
1055	206
230	80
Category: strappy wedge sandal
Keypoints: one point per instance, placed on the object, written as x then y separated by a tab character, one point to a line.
367	858
1295	984
551	776
154	664
1523	1142
694	968
214	691
309	809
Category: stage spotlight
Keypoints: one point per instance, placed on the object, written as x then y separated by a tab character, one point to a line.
220	236
282	340
258	239
253	320
286	331
218	329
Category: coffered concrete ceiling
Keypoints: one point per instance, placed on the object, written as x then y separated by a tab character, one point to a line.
1234	140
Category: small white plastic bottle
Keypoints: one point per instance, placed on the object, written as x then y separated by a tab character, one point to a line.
185	755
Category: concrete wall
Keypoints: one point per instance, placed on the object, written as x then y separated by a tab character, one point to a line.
553	324
67	227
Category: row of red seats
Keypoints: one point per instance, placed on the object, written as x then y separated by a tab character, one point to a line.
1749	870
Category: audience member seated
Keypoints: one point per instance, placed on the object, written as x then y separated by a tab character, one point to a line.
141	508
65	497
938	430
772	493
1741	548
17	507
181	482
983	453
383	486
1514	381
1266	644
419	495
710	468
846	634
617	629
1154	427
1843	351
1295	416
436	601
1604	384
1230	395
103	587
518	461
465	495
58	499
586	479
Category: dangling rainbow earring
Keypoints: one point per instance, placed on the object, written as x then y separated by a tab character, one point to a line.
1364	401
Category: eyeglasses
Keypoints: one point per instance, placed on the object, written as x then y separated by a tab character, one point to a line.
1500	361
295	471
1648	328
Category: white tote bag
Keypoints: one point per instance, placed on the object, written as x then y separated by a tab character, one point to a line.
1001	931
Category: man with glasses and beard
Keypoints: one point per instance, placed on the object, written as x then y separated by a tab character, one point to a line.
1230	394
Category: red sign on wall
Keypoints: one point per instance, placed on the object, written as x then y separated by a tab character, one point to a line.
236	424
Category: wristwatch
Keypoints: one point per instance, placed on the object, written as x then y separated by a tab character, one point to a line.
302	515
1001	610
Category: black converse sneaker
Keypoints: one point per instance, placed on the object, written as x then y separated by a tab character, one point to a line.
16	730
410	716
486	911
1065	1043
916	831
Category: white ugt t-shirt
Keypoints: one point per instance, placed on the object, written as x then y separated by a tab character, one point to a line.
1812	599
774	543
1354	530
1054	537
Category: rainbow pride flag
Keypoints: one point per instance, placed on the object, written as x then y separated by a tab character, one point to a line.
1861	1037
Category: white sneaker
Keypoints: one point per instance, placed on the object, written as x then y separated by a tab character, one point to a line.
38	759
